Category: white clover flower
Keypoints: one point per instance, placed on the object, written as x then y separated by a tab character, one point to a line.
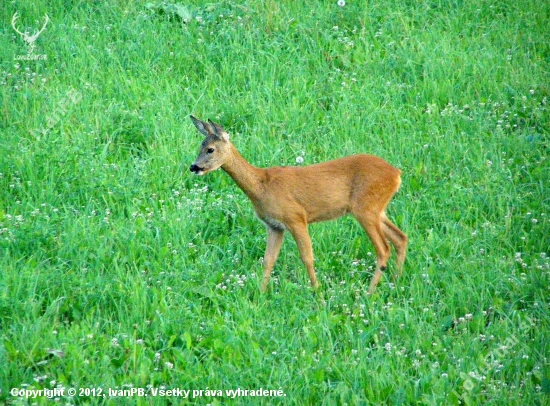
341	3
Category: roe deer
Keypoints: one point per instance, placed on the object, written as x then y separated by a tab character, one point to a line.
289	198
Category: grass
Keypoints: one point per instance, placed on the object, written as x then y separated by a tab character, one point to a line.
120	270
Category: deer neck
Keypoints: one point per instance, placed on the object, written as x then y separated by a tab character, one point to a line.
246	176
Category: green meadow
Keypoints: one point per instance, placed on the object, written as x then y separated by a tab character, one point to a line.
123	275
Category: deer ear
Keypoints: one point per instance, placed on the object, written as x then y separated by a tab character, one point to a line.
220	131
204	128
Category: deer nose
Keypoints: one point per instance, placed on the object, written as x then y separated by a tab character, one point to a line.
195	168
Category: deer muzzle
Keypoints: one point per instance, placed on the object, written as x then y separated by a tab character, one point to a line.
196	169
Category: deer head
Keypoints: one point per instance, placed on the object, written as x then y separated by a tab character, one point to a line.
215	149
29	39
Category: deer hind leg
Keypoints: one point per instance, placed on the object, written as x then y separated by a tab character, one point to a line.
274	242
399	240
371	223
303	241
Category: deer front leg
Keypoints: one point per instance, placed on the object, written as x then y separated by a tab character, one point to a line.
303	241
274	242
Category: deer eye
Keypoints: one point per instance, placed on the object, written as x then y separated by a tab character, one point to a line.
210	150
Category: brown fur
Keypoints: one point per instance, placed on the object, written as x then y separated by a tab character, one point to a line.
289	198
